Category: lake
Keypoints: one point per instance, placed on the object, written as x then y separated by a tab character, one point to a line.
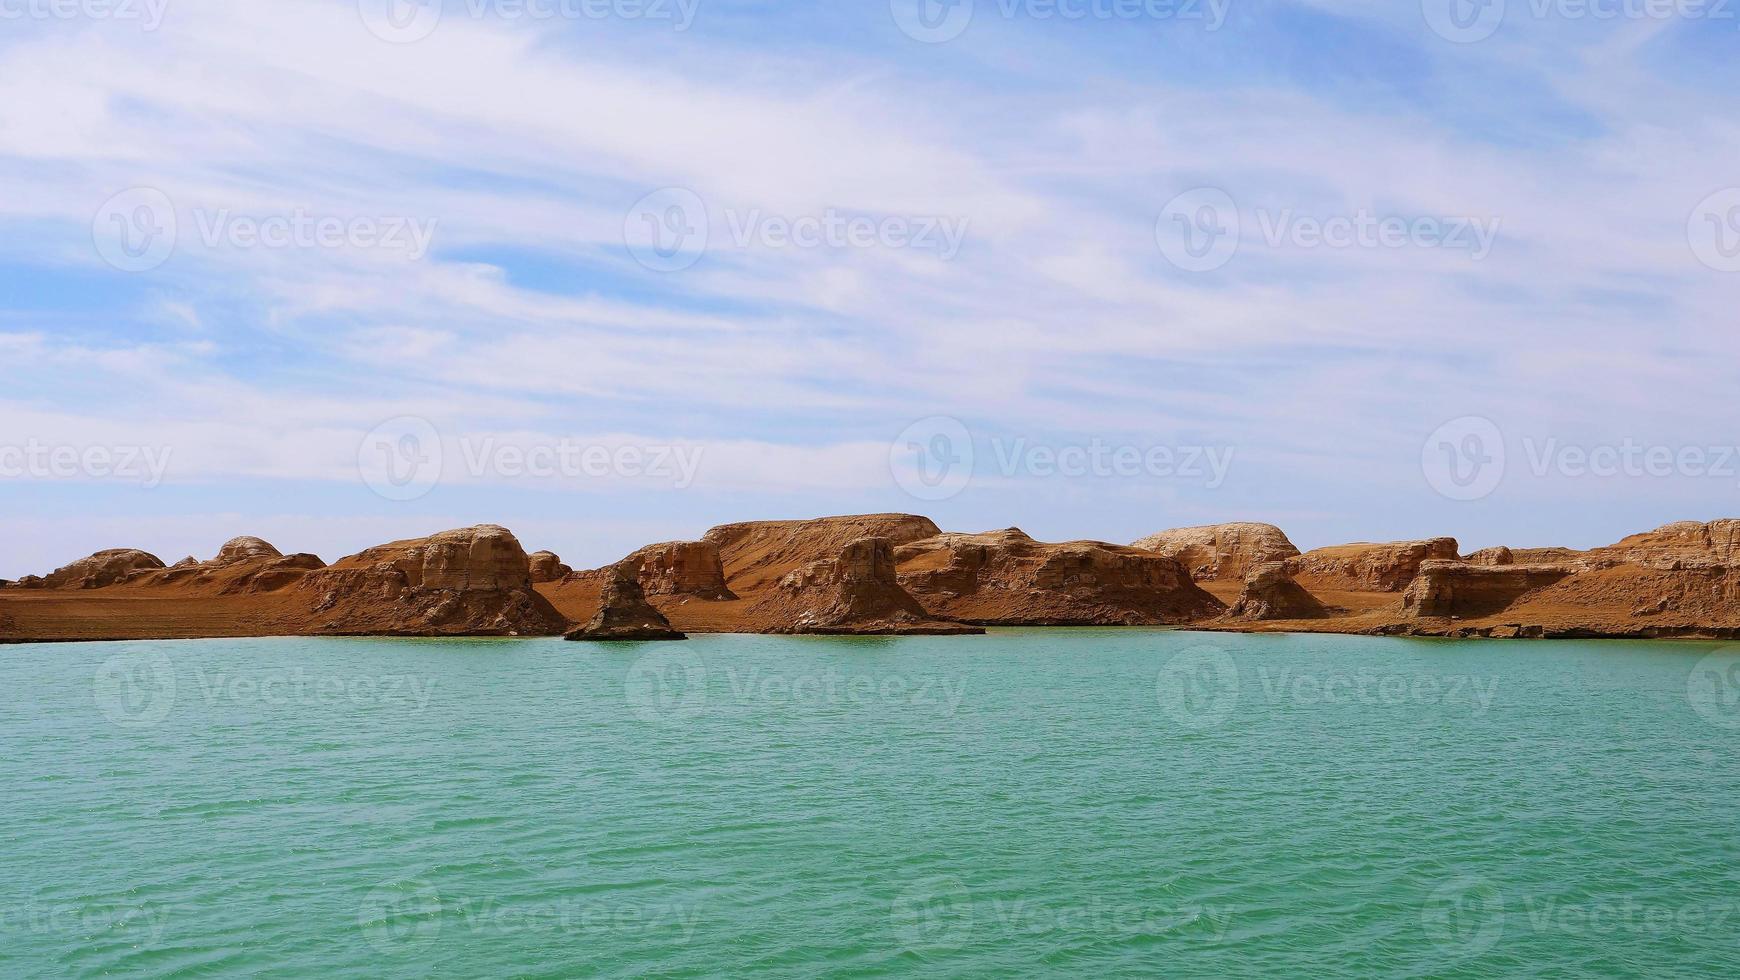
1100	801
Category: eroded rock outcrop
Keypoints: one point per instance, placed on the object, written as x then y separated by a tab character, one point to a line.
243	566
854	592
1680	545
624	613
1007	578
1499	555
756	555
1271	594
691	568
1221	551
470	581
1461	590
546	566
245	548
1367	567
105	568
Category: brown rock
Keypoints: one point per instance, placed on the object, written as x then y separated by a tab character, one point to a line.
105	568
1458	589
244	548
1365	567
1221	551
546	566
624	613
1499	555
756	555
1683	544
471	581
187	562
1007	578
1270	593
855	592
691	568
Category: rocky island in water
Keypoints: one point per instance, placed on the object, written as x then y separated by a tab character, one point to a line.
888	574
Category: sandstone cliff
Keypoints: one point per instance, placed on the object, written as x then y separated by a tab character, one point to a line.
1221	551
1007	578
691	568
546	566
1365	567
757	554
471	581
1683	544
1457	589
856	592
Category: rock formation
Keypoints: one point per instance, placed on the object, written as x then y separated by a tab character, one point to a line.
1221	551
244	548
1683	544
854	592
473	581
1491	556
1007	578
691	568
1365	567
1464	591
624	613
756	555
103	569
546	566
1271	594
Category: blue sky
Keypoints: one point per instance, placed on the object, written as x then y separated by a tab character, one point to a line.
1067	157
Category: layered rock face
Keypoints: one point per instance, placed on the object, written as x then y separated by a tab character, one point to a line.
624	613
757	554
1464	591
545	566
1270	593
1007	578
1221	551
1681	545
854	592
473	580
1491	556
1365	567
105	568
691	568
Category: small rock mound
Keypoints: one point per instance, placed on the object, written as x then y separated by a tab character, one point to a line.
690	568
547	566
1365	567
1270	593
1221	551
244	548
1499	555
624	613
855	592
103	569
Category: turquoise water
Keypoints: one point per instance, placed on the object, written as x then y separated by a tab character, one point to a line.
1099	802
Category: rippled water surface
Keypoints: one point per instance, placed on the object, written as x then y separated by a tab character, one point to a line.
1103	803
